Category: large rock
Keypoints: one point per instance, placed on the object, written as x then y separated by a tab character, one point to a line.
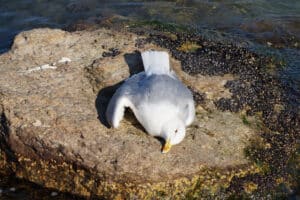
54	89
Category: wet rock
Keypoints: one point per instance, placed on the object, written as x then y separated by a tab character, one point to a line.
254	91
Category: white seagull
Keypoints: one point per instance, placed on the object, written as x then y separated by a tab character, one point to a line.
159	101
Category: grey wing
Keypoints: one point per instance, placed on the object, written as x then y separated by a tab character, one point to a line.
115	110
165	88
121	99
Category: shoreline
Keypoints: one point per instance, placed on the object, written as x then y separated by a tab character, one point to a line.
246	79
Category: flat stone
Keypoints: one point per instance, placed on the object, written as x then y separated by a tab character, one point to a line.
56	113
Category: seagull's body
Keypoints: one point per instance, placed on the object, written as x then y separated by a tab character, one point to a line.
160	102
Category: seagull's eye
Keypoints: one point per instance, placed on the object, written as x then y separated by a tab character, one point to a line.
176	131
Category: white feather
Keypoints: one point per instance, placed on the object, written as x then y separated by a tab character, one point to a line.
156	62
116	108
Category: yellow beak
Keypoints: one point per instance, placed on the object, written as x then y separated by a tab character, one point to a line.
167	146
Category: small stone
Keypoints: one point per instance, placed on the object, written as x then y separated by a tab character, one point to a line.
267	145
12	189
64	60
37	123
53	194
199	109
250	187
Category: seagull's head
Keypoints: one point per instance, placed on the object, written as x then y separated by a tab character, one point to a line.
173	131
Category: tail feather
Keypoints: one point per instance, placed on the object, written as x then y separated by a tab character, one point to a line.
156	62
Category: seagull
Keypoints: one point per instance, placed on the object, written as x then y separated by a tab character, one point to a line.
158	99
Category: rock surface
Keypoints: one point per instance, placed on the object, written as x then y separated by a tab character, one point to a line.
54	89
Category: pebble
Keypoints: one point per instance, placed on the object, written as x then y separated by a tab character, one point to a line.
111	53
37	123
53	194
64	60
12	189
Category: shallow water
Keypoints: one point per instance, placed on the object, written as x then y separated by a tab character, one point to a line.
262	23
267	26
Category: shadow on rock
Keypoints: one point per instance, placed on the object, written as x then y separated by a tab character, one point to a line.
102	101
134	62
135	65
